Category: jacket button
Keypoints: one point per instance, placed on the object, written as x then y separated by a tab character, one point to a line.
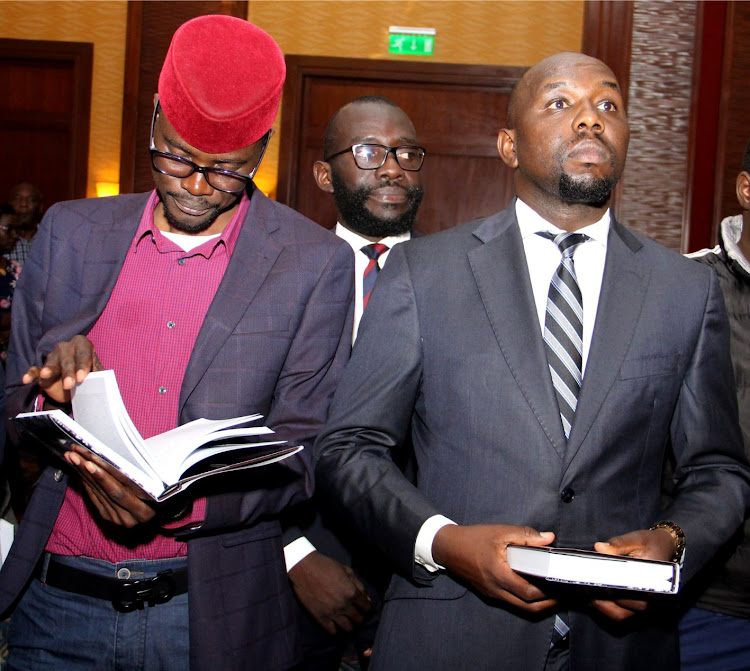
58	475
567	494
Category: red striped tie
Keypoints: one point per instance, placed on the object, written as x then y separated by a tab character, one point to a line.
371	271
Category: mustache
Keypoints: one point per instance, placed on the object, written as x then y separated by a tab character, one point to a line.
411	190
194	203
585	135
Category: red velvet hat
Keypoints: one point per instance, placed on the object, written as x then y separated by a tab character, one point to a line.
221	83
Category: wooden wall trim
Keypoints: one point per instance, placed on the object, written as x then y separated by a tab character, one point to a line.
131	87
607	35
705	149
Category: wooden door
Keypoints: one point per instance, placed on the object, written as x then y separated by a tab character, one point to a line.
44	116
457	111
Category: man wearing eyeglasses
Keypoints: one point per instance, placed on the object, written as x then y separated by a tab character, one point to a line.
372	162
207	300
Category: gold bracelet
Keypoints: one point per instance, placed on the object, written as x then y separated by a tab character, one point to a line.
677	534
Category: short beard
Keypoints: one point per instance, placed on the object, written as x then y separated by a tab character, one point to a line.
594	192
190	229
352	206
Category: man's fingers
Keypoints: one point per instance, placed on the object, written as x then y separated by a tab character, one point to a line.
530	536
31	375
612	610
116	503
328	625
528	606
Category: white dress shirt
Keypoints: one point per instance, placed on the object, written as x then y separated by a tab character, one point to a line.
361	260
543	258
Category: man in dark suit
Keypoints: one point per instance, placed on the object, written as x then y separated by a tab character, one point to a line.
372	162
207	301
467	347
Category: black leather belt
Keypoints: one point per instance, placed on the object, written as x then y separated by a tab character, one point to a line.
125	595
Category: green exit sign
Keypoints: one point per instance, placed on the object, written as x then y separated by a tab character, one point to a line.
411	41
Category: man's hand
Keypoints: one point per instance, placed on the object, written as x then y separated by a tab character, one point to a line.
651	544
477	554
330	592
117	500
68	364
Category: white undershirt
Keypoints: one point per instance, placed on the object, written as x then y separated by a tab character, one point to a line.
188	242
543	258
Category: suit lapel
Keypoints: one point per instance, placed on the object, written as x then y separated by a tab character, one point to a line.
106	250
624	285
253	258
502	276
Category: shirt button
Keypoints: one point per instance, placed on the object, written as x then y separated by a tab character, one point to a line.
162	390
170	324
181	262
567	494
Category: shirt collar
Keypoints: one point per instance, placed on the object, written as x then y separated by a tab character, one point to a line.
731	231
531	223
228	237
356	241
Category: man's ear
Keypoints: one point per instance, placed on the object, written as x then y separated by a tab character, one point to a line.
743	190
322	174
506	147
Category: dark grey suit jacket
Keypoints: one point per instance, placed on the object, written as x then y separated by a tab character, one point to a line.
274	341
450	350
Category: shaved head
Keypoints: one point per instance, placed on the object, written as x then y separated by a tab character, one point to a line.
529	83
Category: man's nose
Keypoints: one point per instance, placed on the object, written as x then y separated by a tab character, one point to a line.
196	184
589	117
391	166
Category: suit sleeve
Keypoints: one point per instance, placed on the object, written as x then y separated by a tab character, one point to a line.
370	418
305	386
26	318
711	476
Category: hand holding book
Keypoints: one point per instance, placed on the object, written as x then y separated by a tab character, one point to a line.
157	467
118	499
653	544
638	561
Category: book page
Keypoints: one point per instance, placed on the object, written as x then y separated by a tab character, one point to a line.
169	450
98	408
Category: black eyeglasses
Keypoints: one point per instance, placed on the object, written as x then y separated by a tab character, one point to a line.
374	156
217	178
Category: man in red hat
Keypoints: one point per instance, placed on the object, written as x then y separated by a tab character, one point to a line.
207	300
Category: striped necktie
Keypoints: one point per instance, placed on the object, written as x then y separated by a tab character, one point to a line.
563	328
372	252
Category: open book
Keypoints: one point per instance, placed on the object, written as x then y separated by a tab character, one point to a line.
584	567
161	465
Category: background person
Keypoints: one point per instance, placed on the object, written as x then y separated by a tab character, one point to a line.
715	632
28	204
372	163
